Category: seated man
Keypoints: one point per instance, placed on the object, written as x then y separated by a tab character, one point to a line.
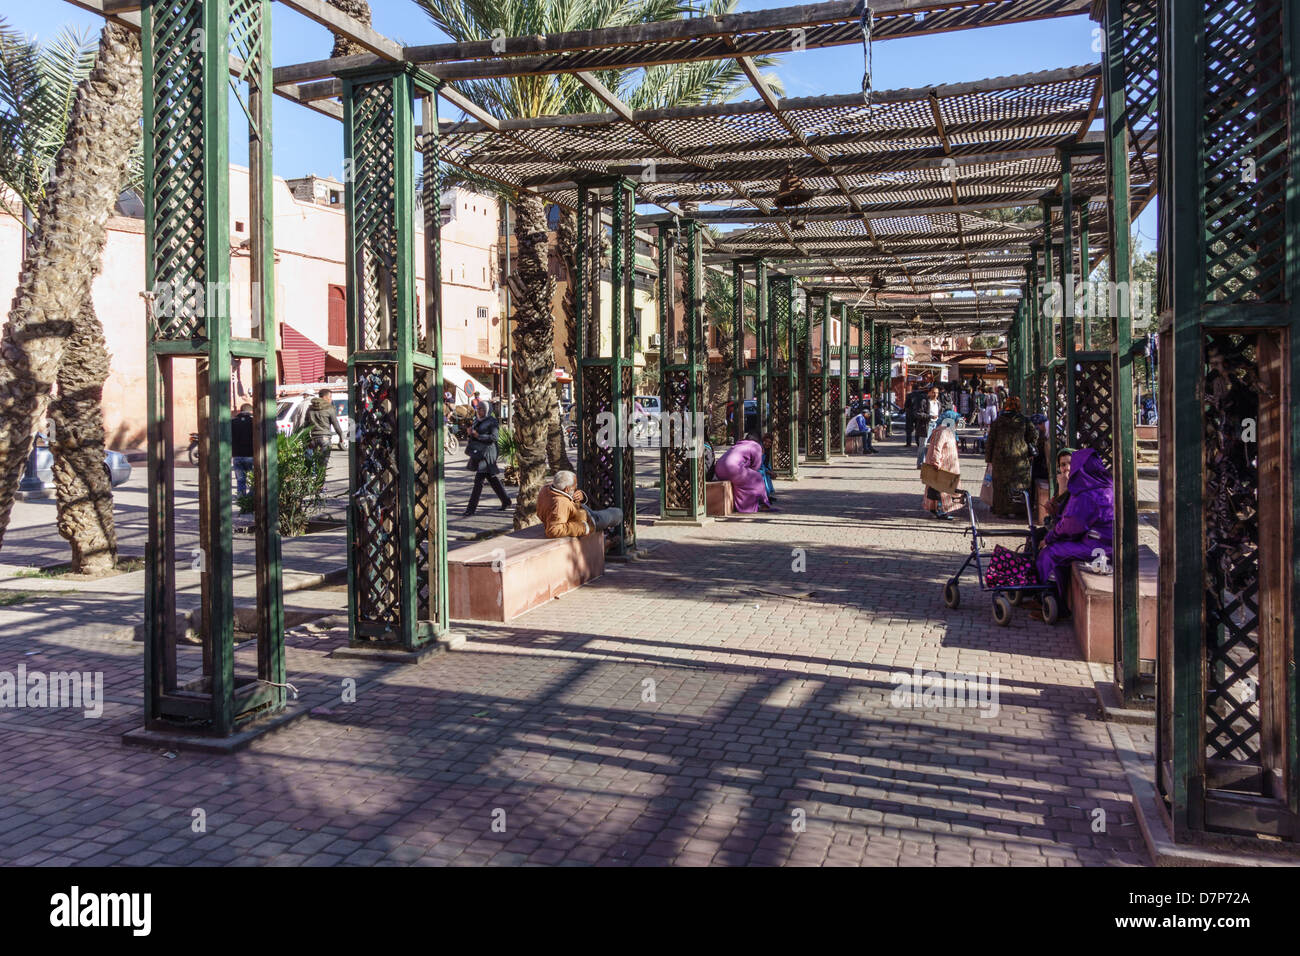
859	426
561	507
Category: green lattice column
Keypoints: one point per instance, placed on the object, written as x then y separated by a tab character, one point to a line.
1119	37
818	447
841	385
681	375
1229	424
863	349
187	51
397	559
606	462
783	371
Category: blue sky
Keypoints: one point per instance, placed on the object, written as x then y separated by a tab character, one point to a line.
306	142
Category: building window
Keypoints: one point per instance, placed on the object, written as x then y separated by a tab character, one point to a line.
338	316
482	312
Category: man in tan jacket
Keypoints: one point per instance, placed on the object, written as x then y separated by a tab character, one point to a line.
563	510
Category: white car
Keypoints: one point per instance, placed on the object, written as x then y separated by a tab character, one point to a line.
291	409
646	430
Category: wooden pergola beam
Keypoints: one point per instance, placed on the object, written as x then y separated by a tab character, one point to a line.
697	38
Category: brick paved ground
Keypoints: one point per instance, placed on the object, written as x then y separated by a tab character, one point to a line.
768	735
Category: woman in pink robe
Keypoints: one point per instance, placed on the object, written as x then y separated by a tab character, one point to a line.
942	453
740	465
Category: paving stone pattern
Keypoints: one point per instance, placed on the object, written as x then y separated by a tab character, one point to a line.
706	704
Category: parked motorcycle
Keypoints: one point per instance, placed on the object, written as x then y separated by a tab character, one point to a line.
194	448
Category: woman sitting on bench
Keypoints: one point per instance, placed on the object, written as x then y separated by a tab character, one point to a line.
1086	526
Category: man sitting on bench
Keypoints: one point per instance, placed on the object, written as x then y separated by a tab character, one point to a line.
563	510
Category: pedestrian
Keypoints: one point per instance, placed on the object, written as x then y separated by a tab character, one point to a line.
241	447
742	464
1010	450
482	452
320	423
927	419
941	452
1086	528
769	442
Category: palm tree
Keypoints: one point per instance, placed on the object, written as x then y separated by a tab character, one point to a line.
53	337
545	95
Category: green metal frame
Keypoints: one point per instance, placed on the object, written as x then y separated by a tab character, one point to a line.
396	518
1128	682
785	418
743	371
187	266
819	443
839	421
604	383
681	384
1229	92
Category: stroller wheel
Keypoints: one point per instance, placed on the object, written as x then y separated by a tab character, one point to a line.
1016	597
1001	610
1051	608
951	596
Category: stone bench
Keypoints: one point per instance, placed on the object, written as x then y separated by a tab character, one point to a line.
718	499
500	578
1146	432
1042	495
1092	604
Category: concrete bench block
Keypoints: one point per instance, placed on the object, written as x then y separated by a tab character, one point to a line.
1092	604
718	499
501	578
1042	495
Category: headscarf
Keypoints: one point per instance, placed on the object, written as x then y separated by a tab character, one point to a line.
948	418
1039	419
1088	472
1012	404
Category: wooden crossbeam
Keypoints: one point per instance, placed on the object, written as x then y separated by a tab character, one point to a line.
694	39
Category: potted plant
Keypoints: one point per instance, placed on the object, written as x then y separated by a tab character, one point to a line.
506	448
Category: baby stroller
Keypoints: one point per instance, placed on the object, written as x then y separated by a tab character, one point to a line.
1004	596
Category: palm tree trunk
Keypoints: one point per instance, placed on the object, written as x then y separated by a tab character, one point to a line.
67	252
83	488
566	245
534	354
358	10
719	382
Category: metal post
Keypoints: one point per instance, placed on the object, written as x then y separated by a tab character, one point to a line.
1124	470
187	256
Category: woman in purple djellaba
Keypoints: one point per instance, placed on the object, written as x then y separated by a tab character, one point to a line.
1085	527
742	466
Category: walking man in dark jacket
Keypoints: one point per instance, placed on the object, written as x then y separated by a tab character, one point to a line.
241	447
320	422
482	451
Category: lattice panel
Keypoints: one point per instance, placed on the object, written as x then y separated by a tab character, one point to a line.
375	218
424	393
1042	385
1093	403
597	462
1061	422
782	453
1232	573
816	417
836	434
179	229
678	464
1245	125
375	518
628	503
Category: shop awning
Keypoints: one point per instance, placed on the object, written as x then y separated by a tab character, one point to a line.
301	359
